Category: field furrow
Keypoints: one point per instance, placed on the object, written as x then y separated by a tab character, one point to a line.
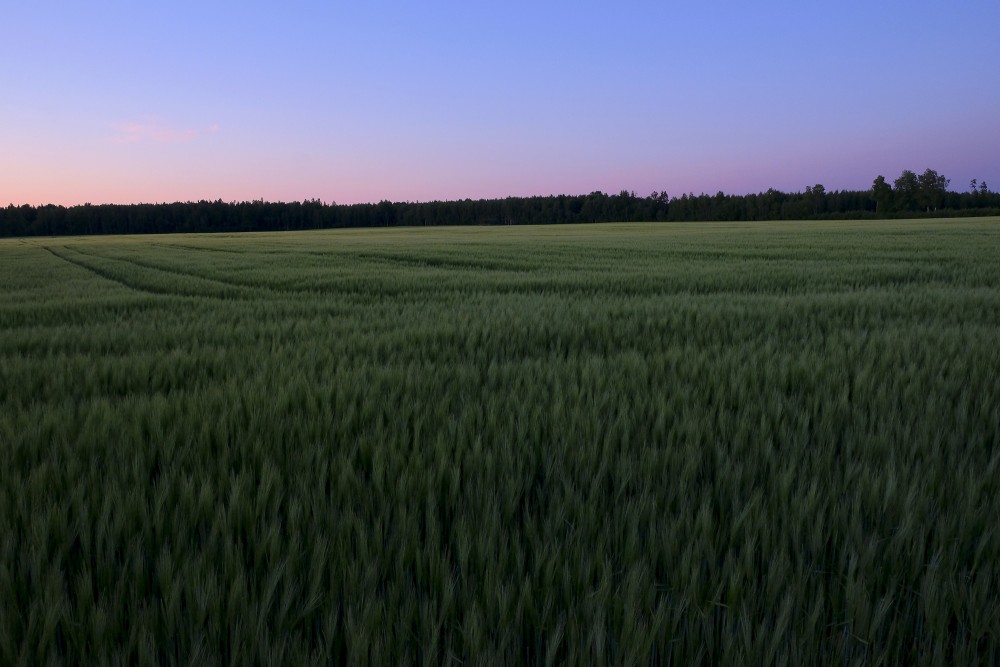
142	277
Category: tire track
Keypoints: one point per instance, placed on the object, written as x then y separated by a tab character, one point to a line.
101	273
181	246
137	286
170	269
256	290
443	263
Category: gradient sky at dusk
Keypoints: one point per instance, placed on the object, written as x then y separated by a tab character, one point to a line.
118	102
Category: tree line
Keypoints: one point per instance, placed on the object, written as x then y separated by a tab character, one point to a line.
910	195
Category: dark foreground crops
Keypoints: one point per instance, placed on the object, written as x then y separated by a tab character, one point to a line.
642	444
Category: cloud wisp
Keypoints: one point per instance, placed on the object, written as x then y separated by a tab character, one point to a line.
157	132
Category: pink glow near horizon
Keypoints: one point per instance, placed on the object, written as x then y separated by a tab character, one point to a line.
147	163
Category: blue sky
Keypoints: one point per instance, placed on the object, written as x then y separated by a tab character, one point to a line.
127	101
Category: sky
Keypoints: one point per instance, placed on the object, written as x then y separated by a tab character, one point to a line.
141	101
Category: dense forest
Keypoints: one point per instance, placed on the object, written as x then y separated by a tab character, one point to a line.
910	195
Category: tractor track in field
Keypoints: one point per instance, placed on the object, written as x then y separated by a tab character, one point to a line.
291	250
257	289
171	270
226	251
440	263
138	286
100	273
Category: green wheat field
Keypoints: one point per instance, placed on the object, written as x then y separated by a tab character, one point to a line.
706	443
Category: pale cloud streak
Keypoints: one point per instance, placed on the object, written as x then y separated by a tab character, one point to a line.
157	132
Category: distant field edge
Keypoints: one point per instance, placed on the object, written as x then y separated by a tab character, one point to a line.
547	229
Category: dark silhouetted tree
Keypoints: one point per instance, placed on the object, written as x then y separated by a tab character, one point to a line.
816	197
931	188
905	188
882	194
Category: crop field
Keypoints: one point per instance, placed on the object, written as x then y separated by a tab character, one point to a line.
759	443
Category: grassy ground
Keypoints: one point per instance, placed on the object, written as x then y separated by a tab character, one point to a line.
755	443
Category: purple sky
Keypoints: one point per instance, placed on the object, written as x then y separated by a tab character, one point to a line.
117	102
